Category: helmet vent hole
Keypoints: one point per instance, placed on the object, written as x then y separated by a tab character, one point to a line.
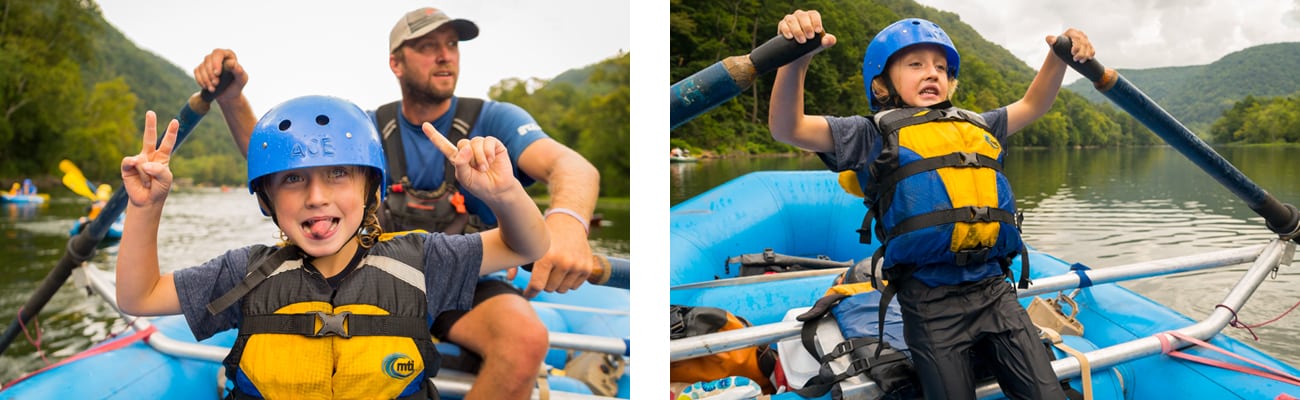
284	125
322	120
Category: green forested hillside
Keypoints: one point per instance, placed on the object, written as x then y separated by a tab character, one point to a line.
72	86
1198	95
703	32
589	109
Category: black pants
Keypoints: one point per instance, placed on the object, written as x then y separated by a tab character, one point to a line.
947	325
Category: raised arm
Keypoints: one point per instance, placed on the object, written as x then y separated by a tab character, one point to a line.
234	106
483	167
1042	91
147	179
785	117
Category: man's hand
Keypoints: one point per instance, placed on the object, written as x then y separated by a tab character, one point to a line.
208	74
567	264
146	176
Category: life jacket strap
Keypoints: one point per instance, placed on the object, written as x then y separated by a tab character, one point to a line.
960	159
969	214
344	324
264	267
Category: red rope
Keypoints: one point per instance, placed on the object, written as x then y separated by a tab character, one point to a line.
1261	370
103	348
36	325
1236	323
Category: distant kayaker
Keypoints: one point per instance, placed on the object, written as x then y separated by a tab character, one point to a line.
424	56
949	267
336	310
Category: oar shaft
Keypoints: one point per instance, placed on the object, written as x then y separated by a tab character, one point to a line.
725	79
1280	218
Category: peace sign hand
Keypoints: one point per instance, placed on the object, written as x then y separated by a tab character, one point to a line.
482	164
146	176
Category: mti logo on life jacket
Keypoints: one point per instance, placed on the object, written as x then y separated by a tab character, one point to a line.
321	146
398	366
989	139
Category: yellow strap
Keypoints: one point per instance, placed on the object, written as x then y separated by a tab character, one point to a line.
389	235
1085	371
850	289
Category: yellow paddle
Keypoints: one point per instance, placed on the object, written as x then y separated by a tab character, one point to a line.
74	180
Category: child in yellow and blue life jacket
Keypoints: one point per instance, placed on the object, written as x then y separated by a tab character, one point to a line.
942	209
336	310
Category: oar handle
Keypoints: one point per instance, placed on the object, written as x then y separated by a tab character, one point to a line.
226	78
1091	69
779	51
609	271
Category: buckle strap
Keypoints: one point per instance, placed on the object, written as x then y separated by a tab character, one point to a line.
960	159
344	324
969	214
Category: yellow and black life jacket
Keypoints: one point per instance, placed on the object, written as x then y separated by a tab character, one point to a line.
937	193
438	210
367	338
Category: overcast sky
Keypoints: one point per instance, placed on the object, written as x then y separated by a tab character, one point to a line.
293	47
1133	33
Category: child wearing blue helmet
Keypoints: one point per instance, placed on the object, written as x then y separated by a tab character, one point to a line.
336	310
937	199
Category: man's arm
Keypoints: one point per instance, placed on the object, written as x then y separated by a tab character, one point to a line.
574	185
234	106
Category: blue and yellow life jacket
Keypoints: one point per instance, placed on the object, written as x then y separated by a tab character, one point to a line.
369	338
937	193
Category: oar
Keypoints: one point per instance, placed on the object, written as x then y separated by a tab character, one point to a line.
75	180
725	79
610	271
1279	217
82	246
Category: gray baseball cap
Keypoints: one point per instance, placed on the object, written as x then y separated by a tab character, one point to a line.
421	21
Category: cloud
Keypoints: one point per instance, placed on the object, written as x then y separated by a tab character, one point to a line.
1134	34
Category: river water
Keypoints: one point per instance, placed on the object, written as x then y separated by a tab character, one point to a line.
1109	207
198	224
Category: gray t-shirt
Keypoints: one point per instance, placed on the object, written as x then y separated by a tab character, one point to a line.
451	269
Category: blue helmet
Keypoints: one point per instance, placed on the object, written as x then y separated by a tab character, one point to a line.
314	131
899	35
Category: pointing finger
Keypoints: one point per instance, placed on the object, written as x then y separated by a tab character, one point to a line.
448	149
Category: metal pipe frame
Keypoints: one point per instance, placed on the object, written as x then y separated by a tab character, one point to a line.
713	343
1106	357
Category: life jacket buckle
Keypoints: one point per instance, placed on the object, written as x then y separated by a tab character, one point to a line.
972	256
980	214
967	159
332	324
